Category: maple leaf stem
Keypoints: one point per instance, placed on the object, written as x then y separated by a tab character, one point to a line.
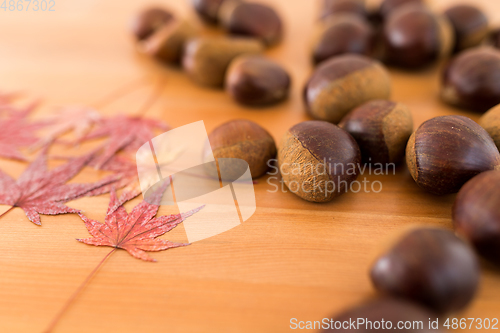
120	92
152	99
68	303
8	210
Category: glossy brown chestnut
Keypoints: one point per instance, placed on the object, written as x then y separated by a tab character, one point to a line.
242	139
167	43
490	121
252	20
388	310
381	128
257	81
445	152
206	59
318	160
388	6
470	26
432	267
334	7
476	214
470	80
342	83
413	37
148	21
343	33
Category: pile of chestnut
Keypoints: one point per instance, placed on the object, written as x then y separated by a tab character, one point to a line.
234	62
348	95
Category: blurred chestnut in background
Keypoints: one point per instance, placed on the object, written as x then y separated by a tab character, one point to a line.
388	6
257	81
253	20
206	59
490	121
167	43
208	10
342	83
343	33
471	79
476	214
413	37
493	38
445	152
432	267
148	21
381	128
334	7
470	26
241	139
387	310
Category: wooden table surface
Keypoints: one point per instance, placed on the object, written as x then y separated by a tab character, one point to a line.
292	259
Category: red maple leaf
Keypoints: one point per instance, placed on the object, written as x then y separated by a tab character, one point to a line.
41	191
125	173
135	232
78	119
127	133
17	132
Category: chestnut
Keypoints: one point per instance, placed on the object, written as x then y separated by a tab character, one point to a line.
206	59
343	33
388	6
445	152
431	267
318	160
476	214
257	81
413	37
334	7
382	315
493	38
208	10
242	139
342	83
490	121
148	21
470	80
167	43
252	20
470	26
381	128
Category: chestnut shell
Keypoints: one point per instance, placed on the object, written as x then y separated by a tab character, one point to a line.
445	152
432	267
255	20
381	128
387	309
344	33
388	6
335	7
310	144
148	21
471	79
245	140
476	214
414	37
470	25
257	81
